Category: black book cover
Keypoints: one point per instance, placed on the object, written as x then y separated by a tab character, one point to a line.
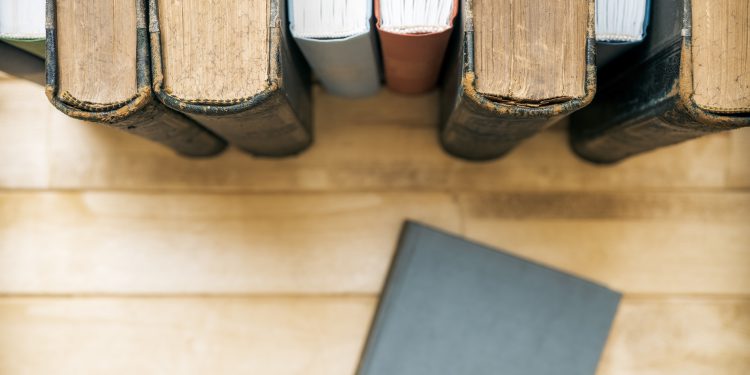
275	122
142	115
477	127
451	306
645	99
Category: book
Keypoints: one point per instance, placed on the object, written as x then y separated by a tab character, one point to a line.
620	25
414	35
451	306
338	40
97	69
22	25
514	68
21	64
233	67
687	79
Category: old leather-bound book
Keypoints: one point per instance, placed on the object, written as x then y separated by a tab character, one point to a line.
688	78
515	67
98	70
230	65
452	307
414	36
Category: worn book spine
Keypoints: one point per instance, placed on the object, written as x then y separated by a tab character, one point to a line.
646	100
412	61
276	122
478	127
141	115
21	64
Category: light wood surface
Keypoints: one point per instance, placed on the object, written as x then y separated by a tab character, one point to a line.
523	48
96	46
118	257
721	54
228	53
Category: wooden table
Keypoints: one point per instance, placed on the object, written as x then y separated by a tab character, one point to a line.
117	256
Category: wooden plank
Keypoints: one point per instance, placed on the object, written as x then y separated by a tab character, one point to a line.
381	143
686	336
311	336
739	160
211	243
24	117
321	335
642	243
342	243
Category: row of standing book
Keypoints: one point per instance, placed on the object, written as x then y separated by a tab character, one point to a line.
193	75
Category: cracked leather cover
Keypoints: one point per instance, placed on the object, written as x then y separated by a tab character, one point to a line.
141	115
645	98
475	126
275	122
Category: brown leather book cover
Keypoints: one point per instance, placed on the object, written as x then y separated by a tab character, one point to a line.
412	61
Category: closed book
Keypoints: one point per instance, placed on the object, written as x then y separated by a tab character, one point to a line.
514	68
98	70
413	44
687	79
232	66
451	306
620	26
22	25
338	41
21	64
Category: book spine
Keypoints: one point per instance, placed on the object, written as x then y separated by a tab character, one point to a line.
477	127
648	105
412	61
141	115
274	123
345	67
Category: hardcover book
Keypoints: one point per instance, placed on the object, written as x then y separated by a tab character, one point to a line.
232	66
451	306
687	79
620	25
414	36
515	67
97	70
22	25
338	40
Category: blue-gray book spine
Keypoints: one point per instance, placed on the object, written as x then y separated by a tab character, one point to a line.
348	66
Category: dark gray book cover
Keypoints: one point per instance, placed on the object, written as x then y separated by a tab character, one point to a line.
451	306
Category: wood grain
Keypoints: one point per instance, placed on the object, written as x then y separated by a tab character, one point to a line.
227	56
187	243
310	336
320	335
686	336
721	54
343	243
96	46
738	164
24	127
638	243
530	50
